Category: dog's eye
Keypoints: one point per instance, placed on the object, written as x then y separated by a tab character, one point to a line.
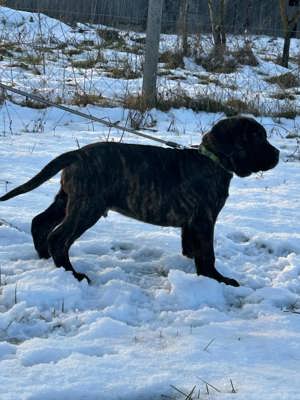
259	136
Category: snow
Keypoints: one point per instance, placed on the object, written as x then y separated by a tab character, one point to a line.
147	326
146	319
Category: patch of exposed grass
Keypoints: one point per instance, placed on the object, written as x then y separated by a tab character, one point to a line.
135	102
33	104
218	62
61	45
163	72
108	35
209	79
20	65
245	56
285	81
18	49
238	107
288	112
89	62
293	135
226	61
84	64
172	60
112	38
123	72
282	96
180	99
141	40
93	99
31	59
72	51
4	52
133	49
176	78
199	103
87	43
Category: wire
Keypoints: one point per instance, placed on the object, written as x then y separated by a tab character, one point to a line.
90	117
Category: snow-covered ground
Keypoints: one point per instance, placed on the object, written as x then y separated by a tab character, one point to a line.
147	328
147	321
41	54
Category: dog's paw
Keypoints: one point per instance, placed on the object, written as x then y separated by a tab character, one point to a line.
80	277
231	282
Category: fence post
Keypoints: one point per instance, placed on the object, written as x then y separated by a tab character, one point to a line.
182	26
152	51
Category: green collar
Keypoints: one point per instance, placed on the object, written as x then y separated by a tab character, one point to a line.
203	150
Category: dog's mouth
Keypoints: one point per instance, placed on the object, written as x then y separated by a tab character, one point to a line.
244	173
263	162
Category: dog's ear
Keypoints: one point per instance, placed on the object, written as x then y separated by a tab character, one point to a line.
221	137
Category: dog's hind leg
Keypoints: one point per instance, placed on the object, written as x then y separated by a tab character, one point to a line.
45	222
81	214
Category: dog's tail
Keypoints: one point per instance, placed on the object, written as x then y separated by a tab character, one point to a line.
46	173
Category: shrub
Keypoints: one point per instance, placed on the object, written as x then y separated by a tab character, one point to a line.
245	56
218	61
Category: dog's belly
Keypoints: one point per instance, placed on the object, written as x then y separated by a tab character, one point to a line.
157	203
161	217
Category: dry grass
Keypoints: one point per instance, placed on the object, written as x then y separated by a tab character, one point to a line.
108	35
84	64
217	62
172	60
33	104
135	102
245	56
282	96
284	81
4	52
93	99
238	107
288	112
70	52
111	38
179	99
226	61
90	62
30	59
122	72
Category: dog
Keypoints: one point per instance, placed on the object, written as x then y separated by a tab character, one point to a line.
184	188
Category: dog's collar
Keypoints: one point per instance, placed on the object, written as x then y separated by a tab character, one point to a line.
207	153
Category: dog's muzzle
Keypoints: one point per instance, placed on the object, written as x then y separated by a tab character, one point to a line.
271	158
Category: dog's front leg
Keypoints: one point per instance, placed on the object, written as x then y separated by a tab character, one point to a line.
198	243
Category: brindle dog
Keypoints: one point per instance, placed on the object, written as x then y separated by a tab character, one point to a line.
181	188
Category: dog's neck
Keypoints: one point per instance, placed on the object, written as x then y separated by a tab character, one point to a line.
207	153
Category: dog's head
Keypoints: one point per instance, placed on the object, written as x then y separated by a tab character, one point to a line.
241	145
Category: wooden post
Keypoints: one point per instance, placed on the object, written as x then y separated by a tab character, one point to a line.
214	25
290	14
183	28
152	51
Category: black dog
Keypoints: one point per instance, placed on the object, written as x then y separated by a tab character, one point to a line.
167	187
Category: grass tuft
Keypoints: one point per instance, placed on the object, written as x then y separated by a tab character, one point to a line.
284	81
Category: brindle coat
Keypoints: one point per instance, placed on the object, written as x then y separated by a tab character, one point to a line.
167	187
